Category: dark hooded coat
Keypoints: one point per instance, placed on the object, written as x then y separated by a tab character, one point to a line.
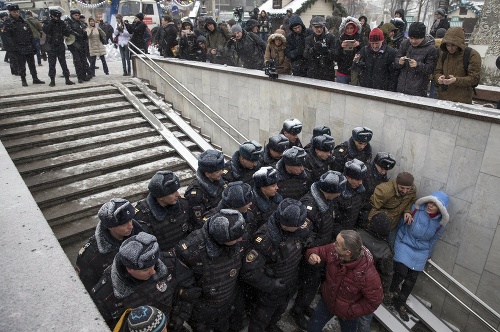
248	51
320	52
344	57
376	69
295	45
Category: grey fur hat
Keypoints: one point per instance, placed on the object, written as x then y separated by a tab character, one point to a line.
362	134
211	161
292	126
225	226
385	160
332	182
163	183
355	169
237	194
250	150
291	213
139	251
323	142
320	130
265	176
294	156
116	212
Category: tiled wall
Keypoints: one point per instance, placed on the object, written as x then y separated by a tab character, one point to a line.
445	146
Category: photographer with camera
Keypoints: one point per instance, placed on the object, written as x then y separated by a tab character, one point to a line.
245	49
217	38
137	29
275	50
320	51
188	45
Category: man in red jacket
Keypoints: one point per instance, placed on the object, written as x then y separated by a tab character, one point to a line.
352	286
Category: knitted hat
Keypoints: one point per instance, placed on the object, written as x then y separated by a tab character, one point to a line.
225	226
237	194
441	12
291	213
211	161
376	35
139	251
163	183
417	30
320	130
236	28
405	179
318	21
294	156
116	212
140	16
278	143
362	134
380	224
251	150
146	318
385	160
265	176
355	169
323	143
440	32
292	126
332	182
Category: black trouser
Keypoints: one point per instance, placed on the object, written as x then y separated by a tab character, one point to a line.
208	317
21	60
310	277
266	314
79	60
404	274
57	53
92	64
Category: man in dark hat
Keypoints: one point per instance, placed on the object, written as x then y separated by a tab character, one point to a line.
205	192
141	274
274	150
217	38
319	156
272	263
137	29
243	163
357	147
56	30
320	51
295	180
266	196
20	44
215	253
320	206
78	48
4	17
116	224
164	213
317	131
291	129
295	45
440	22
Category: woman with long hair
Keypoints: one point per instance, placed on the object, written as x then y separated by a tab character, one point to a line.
96	48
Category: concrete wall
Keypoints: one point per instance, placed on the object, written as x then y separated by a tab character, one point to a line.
446	146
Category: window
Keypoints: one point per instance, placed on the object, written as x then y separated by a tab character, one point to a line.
147	9
463	11
277	4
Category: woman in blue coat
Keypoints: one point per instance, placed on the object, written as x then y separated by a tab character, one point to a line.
415	241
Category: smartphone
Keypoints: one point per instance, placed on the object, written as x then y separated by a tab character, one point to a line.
349	45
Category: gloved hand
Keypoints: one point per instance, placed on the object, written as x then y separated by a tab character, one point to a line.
190	294
279	285
318	47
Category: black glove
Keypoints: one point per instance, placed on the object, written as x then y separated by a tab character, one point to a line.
175	323
189	294
279	285
318	47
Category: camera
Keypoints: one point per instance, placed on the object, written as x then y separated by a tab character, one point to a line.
271	69
407	60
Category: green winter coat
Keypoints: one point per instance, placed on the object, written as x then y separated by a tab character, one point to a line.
460	91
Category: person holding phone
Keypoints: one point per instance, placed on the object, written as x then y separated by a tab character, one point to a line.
351	42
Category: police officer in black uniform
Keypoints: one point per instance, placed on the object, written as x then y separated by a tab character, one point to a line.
319	156
205	192
351	199
295	181
215	253
20	44
140	274
291	129
274	150
243	163
236	196
56	30
317	131
163	212
357	147
320	206
265	197
272	263
79	46
116	224
4	17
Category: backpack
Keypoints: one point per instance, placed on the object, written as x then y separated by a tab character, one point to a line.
467	53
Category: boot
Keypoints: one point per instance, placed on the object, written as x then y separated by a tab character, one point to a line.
68	82
80	80
125	73
37	81
23	80
299	317
402	313
389	298
52	81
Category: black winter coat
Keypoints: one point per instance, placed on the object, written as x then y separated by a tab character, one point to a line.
295	46
377	70
320	52
55	30
137	29
247	52
19	36
167	38
345	57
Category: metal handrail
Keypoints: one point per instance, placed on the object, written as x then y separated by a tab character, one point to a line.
465	290
191	93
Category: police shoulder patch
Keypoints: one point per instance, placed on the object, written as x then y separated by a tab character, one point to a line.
184	246
136	210
341	150
258	239
305	224
309	207
251	256
225	171
193	192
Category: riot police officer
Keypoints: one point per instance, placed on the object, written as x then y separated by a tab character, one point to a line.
243	163
291	129
357	147
319	156
273	151
78	47
295	181
266	196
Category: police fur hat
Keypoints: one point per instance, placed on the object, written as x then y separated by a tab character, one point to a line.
380	225
385	160
225	226
355	169
146	318
294	156
291	213
278	143
116	212
140	16
139	251
163	183
250	150
332	182
55	12
323	142
237	194
405	179
265	176
211	161
292	126
417	30
362	134
12	7
320	130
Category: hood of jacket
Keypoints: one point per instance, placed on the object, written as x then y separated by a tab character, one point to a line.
271	38
401	12
441	200
296	20
347	20
453	36
210	20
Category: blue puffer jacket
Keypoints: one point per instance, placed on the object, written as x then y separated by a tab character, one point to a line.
415	242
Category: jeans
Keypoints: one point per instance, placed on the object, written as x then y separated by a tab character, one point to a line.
364	323
125	54
92	65
38	51
343	79
322	315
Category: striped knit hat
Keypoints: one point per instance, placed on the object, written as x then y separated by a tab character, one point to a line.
146	319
